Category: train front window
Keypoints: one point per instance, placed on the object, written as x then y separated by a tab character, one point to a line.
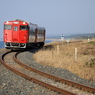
24	27
15	28
7	27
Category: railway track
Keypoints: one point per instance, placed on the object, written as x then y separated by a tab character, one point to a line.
52	87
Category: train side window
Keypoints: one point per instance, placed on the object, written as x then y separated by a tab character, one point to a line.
24	27
33	33
15	28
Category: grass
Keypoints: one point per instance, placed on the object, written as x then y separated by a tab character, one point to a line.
92	42
62	55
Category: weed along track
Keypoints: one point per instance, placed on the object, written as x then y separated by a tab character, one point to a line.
51	82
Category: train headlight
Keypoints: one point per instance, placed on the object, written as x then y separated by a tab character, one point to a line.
22	44
23	22
7	44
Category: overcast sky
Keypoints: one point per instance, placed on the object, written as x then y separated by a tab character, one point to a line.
57	16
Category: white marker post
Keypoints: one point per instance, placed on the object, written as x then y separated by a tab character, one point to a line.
58	49
75	54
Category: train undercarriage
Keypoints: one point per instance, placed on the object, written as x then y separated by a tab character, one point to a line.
9	45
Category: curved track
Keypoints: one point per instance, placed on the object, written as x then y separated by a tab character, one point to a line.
54	88
59	90
83	87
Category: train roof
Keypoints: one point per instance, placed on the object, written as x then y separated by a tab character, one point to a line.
22	22
15	22
19	21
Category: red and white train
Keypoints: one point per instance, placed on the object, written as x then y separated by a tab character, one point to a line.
23	34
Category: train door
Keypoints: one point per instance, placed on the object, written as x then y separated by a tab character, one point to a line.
15	34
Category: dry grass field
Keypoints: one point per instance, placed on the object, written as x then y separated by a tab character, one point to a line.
76	56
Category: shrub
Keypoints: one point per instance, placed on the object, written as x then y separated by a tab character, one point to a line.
91	62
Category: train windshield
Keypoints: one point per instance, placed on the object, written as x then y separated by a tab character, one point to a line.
7	27
24	27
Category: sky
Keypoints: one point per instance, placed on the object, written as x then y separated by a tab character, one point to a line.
65	17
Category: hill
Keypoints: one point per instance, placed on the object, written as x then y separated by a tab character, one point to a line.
76	36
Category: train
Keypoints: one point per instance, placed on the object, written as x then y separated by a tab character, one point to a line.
19	34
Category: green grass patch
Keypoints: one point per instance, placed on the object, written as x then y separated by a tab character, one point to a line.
92	42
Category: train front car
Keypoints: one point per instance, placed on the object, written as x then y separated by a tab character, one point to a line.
23	34
15	34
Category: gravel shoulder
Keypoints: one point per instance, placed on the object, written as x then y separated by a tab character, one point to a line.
12	84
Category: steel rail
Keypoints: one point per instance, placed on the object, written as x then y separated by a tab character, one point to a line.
71	83
54	88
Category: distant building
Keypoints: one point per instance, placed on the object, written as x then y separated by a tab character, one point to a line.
62	37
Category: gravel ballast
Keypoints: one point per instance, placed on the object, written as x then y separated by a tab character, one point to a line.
12	84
